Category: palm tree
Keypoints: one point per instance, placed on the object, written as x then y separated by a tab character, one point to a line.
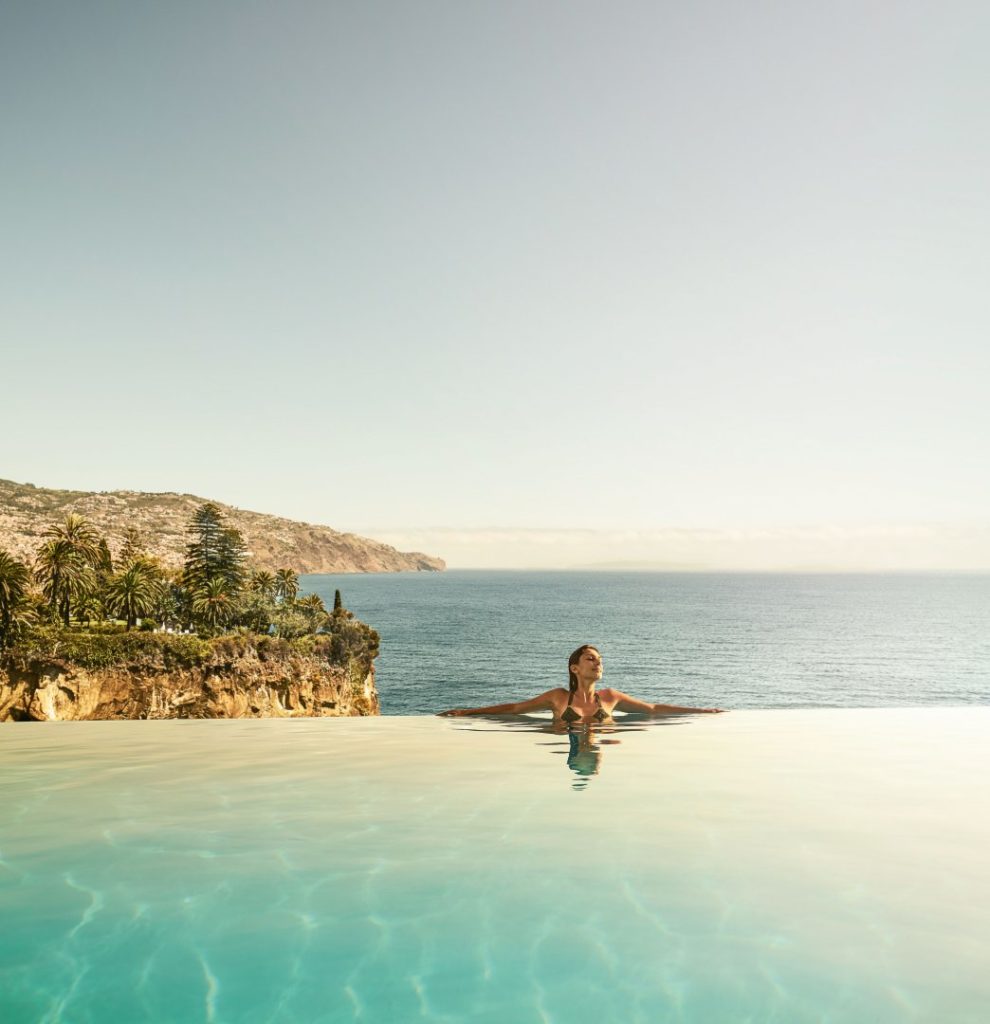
91	606
263	583
65	576
314	609
214	603
135	591
173	599
286	584
80	535
312	603
15	578
67	563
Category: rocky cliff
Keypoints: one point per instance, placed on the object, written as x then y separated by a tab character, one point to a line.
26	511
233	680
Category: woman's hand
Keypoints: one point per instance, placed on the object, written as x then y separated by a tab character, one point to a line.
452	713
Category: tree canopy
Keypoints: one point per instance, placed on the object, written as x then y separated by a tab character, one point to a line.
215	591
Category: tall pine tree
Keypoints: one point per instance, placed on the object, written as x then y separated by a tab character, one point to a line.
217	552
232	559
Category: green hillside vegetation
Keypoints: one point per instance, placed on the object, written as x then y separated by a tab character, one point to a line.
78	603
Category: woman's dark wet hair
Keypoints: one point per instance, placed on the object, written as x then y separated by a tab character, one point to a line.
573	660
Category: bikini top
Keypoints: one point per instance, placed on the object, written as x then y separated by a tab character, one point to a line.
570	715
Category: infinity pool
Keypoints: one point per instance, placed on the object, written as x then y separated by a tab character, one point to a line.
772	866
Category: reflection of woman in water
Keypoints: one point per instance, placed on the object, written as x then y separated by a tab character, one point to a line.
584	755
579	702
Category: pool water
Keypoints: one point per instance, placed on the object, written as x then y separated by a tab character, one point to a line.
763	866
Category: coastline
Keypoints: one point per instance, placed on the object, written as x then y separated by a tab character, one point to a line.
186	677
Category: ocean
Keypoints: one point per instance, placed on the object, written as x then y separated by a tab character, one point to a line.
734	640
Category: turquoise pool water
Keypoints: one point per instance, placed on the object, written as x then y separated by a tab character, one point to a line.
791	866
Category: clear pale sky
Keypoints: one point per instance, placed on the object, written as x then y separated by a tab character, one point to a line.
542	283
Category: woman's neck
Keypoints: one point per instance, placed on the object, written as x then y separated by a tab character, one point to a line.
586	690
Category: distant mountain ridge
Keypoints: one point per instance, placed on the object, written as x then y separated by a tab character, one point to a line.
273	542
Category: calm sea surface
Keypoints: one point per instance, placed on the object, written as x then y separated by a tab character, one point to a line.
735	640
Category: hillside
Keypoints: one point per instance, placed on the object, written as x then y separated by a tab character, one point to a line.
26	511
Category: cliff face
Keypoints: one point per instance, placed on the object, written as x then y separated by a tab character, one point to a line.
26	511
245	686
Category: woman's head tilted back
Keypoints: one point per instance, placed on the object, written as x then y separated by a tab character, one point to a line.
575	659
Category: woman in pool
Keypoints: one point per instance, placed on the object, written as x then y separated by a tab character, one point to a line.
579	702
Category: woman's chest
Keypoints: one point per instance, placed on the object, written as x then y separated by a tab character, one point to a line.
575	711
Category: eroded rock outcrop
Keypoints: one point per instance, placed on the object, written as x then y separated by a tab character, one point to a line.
247	685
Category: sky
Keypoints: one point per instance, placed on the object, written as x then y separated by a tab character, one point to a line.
520	284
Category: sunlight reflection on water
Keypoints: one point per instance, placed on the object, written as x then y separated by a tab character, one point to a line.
785	865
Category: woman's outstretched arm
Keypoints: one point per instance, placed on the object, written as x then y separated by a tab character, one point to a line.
542	703
627	703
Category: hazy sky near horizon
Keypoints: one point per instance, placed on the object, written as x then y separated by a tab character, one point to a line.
496	272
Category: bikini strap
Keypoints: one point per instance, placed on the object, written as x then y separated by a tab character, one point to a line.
570	699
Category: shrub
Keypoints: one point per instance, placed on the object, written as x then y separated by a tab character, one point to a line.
352	644
109	646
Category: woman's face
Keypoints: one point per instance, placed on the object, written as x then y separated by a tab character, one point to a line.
589	666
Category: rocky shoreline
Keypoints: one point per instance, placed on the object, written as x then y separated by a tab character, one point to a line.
245	680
